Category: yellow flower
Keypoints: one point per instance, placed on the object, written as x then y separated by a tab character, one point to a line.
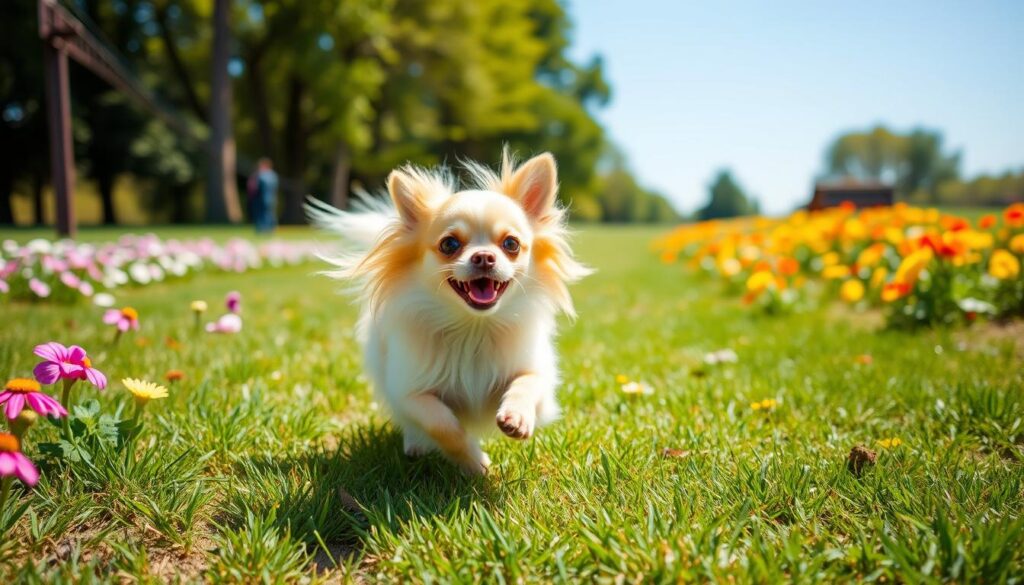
730	267
911	267
878	277
621	379
144	390
1003	265
830	259
198	306
852	291
836	272
766	404
870	255
1017	244
759	281
890	442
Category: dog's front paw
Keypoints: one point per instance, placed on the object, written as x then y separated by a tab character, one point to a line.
516	424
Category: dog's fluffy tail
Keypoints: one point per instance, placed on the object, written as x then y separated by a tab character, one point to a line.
359	228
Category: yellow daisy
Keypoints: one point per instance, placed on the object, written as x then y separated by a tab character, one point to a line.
144	390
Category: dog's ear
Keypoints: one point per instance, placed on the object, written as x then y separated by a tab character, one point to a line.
535	185
407	193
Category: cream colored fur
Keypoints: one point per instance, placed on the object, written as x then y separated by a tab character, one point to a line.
449	371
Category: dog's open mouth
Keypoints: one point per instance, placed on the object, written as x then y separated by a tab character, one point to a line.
479	293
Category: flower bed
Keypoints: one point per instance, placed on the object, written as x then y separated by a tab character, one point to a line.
925	266
68	271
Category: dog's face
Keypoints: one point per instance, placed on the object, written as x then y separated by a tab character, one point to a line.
481	252
480	244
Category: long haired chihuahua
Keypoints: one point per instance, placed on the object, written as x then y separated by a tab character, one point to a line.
460	290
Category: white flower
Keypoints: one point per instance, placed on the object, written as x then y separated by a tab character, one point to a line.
140	272
973	305
637	388
722	356
103	300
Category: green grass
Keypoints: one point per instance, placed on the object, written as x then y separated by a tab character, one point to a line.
270	461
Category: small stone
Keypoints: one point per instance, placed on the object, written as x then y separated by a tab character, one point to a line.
860	457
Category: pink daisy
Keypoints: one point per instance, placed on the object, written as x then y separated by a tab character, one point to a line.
125	319
21	391
13	462
66	363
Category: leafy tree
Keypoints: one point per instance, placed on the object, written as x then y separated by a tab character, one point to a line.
913	162
726	199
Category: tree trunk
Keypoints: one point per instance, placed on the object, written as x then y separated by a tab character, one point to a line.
6	198
257	85
105	181
294	154
340	176
222	192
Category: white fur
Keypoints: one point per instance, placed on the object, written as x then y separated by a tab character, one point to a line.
422	340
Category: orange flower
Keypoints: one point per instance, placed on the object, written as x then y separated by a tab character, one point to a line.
788	266
1014	215
174	375
895	290
1017	244
987	221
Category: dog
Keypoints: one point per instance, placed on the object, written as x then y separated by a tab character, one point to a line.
460	291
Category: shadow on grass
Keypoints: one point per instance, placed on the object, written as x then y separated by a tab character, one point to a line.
335	500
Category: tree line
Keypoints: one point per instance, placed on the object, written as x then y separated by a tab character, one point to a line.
916	163
335	93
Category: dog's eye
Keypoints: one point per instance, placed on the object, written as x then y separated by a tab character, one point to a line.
510	245
450	245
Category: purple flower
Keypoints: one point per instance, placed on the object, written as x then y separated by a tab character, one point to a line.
234	301
125	319
21	391
66	363
13	462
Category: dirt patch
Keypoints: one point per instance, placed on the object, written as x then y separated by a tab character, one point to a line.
860	458
867	319
994	336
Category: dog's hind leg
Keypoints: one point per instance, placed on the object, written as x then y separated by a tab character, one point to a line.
435	420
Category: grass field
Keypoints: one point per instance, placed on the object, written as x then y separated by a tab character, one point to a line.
271	462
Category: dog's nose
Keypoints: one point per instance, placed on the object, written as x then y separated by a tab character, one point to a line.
483	259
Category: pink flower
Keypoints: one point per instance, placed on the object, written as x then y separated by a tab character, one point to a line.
21	391
125	319
234	301
39	287
70	279
230	323
66	363
13	462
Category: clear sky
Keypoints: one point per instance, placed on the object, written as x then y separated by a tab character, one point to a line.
762	87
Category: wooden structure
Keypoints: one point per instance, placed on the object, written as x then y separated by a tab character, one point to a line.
858	194
65	36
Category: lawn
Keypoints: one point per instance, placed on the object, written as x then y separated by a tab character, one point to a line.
271	461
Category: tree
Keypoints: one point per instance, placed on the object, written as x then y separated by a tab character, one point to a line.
726	199
222	193
913	162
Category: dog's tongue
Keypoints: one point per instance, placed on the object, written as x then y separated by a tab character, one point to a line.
482	291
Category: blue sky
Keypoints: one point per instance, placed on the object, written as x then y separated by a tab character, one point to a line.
763	87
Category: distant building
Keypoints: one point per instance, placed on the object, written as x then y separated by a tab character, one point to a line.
859	194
